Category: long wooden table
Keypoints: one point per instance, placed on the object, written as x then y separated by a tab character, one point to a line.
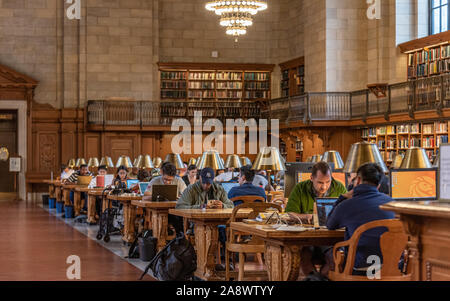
129	215
428	225
282	248
92	199
207	236
156	218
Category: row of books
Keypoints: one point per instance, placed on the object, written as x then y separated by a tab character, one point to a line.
201	94
369	132
173	85
202	75
428	129
229	85
173	75
391	143
391	156
256	94
403	143
431	68
414	142
257	85
256	76
201	85
229	94
441	127
173	94
428	142
441	140
229	75
428	56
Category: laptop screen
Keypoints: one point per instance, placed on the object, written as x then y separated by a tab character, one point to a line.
228	186
143	187
131	183
324	207
414	184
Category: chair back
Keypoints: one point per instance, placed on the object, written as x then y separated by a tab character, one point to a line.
246	199
257	208
392	244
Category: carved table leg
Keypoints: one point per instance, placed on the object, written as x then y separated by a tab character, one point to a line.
159	226
76	202
51	191
282	261
206	245
129	216
66	197
92	199
58	194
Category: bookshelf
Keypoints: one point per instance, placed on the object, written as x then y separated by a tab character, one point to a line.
215	82
397	139
293	77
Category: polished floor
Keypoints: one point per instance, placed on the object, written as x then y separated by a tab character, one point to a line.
35	245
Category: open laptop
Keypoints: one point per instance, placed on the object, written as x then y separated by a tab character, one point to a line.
324	207
229	186
131	183
164	193
414	184
143	187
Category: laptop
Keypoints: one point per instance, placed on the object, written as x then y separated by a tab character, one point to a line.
143	187
324	207
132	183
164	193
229	186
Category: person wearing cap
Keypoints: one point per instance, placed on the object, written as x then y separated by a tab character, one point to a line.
204	194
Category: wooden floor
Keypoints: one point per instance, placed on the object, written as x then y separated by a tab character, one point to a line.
34	246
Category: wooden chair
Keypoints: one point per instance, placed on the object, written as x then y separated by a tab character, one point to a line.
392	244
254	246
247	199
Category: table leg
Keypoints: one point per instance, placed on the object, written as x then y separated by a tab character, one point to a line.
77	202
66	196
92	199
58	193
51	191
206	244
159	226
129	216
282	261
148	219
105	204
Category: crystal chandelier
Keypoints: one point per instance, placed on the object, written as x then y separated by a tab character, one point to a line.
236	16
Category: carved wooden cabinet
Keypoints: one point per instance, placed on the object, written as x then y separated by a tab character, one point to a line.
428	224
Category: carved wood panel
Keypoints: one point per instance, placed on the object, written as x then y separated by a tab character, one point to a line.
48	156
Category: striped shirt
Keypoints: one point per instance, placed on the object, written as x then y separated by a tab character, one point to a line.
74	177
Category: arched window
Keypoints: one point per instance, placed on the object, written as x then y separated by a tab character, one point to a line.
439	12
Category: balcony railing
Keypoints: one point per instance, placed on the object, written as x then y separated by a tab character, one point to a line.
408	97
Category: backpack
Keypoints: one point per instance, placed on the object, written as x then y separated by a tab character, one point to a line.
133	251
176	262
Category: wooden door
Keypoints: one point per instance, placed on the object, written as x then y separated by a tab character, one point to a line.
8	139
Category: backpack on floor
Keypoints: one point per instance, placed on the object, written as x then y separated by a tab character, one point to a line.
176	262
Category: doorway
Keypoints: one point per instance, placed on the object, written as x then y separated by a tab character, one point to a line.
8	141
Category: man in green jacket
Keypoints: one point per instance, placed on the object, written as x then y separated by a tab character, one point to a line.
301	205
204	194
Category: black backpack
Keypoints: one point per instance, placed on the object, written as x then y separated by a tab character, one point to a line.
176	262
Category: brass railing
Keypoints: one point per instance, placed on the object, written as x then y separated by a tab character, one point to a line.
408	97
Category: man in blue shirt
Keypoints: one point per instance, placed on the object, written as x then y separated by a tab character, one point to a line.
246	187
359	207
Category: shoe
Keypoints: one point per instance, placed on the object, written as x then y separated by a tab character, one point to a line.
221	267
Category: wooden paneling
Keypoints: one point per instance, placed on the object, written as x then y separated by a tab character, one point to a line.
92	146
442	37
117	145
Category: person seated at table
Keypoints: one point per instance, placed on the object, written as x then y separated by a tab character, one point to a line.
227	176
356	208
301	206
133	174
246	187
120	181
183	171
66	172
143	176
168	177
204	194
191	176
73	179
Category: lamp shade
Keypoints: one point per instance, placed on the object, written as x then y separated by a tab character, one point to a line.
316	159
362	153
197	163
71	163
157	162
80	161
212	160
269	158
137	159
397	161
144	162
124	161
93	162
416	158
175	159
333	157
107	161
192	161
246	161
233	161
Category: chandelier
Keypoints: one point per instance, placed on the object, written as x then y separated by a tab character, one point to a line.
236	16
